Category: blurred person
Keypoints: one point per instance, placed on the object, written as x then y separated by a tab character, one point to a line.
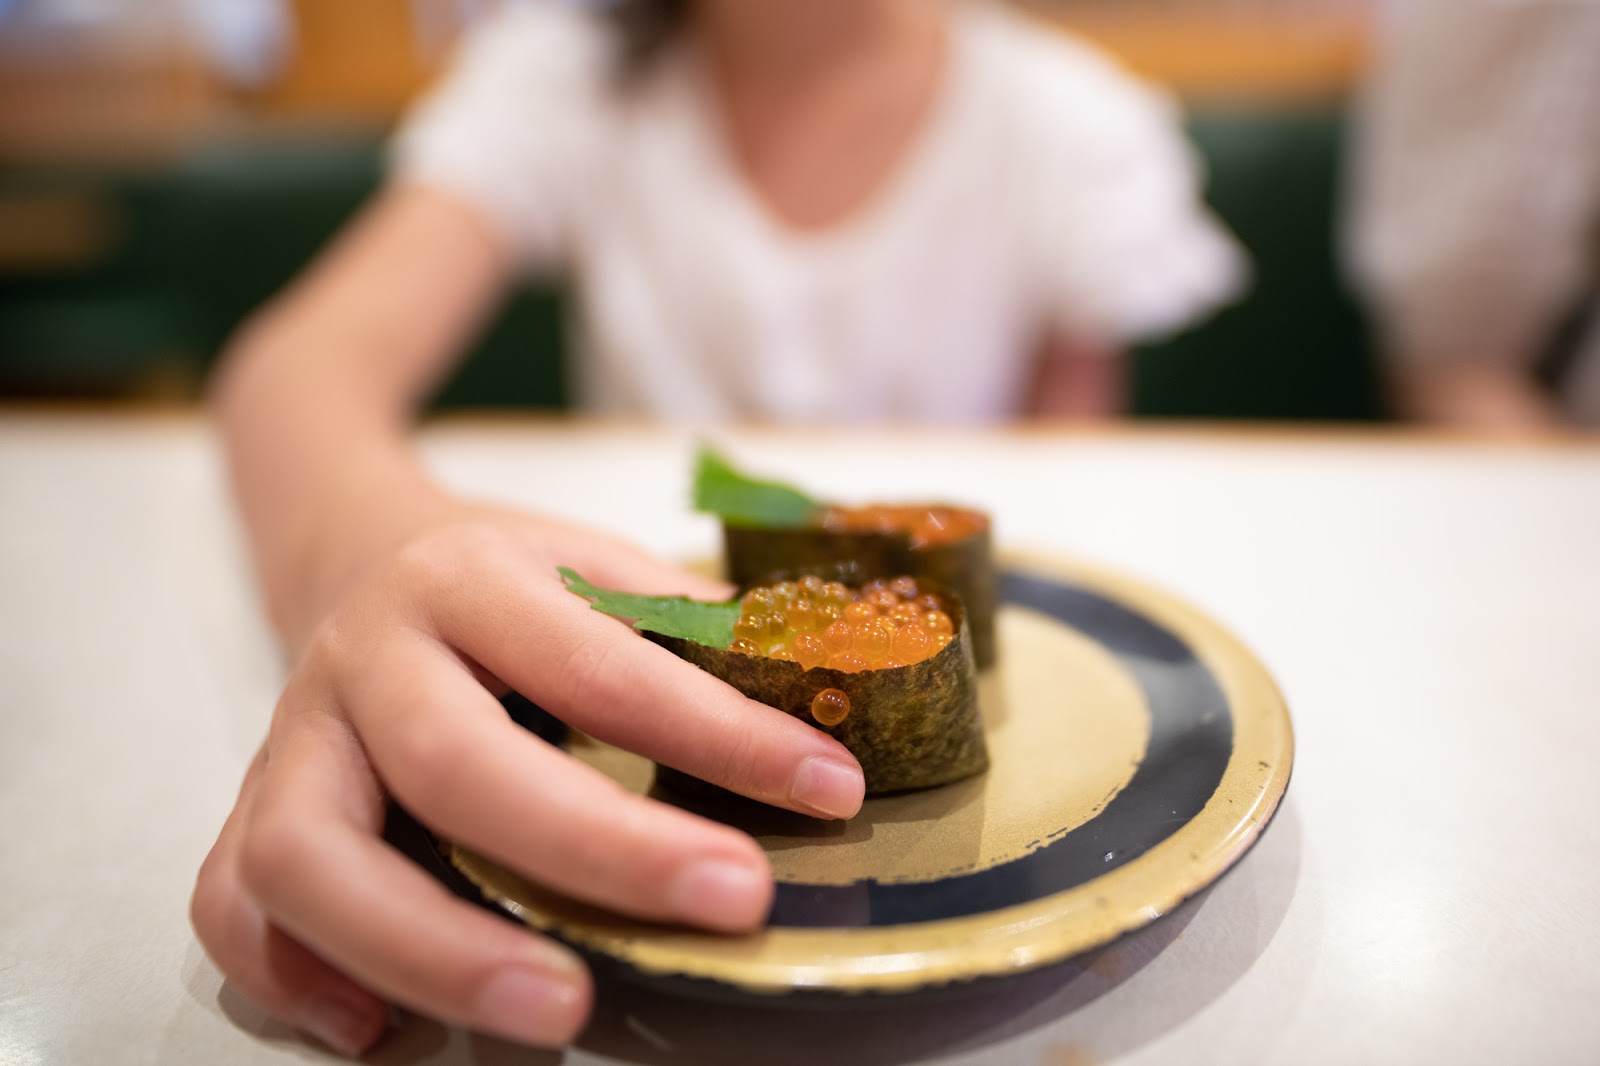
1475	215
837	209
846	211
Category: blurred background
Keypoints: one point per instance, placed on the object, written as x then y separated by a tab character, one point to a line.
165	165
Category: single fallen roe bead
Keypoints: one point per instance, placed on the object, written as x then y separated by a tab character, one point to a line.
830	706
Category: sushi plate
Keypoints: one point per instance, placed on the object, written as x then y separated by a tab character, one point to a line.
1137	752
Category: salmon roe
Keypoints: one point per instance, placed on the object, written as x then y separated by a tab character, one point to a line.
925	524
830	706
824	623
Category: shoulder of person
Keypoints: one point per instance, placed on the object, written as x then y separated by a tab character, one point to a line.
1061	89
517	127
539	41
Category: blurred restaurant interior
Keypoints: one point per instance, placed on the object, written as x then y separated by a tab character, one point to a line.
165	165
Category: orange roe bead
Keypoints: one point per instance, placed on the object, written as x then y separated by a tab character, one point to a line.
847	661
941	642
751	627
904	587
860	611
903	614
837	593
745	647
872	638
884	600
803	617
830	707
786	591
938	624
758	601
839	636
910	644
781	652
929	602
811	587
877	584
809	651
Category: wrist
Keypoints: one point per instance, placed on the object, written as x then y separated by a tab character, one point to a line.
370	509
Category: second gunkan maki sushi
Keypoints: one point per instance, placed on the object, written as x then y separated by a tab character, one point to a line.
885	667
769	528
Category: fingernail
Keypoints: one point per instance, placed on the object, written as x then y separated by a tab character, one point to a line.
347	1026
534	1006
721	894
828	787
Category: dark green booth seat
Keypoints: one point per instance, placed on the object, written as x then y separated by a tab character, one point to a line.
112	311
1296	347
256	212
226	226
198	245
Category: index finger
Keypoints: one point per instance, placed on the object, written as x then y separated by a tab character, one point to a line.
522	625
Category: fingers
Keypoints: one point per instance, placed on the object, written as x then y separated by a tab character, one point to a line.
315	919
318	870
446	750
522	625
271	970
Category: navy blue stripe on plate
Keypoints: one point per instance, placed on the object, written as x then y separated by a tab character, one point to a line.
1191	738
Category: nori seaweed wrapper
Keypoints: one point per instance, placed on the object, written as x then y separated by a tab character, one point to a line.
910	727
757	555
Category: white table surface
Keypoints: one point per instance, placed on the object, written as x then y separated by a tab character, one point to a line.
1429	893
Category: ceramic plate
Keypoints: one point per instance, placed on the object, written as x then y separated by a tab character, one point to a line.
1137	752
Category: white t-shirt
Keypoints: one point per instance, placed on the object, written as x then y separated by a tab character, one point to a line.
1047	191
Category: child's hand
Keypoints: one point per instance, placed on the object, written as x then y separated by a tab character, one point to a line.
311	915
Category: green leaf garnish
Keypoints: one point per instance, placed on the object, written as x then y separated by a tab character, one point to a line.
705	623
721	490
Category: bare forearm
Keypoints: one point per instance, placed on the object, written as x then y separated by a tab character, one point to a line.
322	473
316	397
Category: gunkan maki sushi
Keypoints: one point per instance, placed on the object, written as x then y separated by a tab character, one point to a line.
770	528
886	667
